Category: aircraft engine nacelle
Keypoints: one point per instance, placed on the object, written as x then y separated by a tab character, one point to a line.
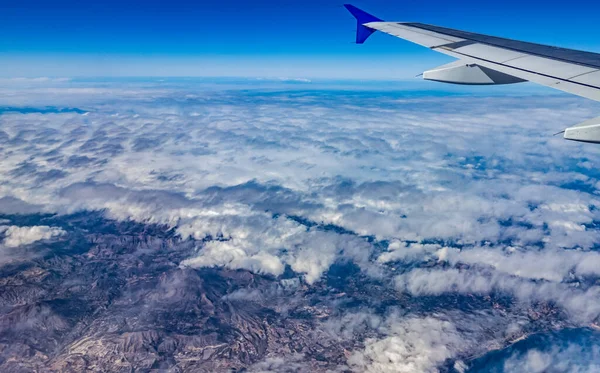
460	72
588	131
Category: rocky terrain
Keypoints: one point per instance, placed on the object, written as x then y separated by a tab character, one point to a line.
112	296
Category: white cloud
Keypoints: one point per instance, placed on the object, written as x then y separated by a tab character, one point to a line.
412	345
15	236
550	264
571	357
404	251
583	305
263	244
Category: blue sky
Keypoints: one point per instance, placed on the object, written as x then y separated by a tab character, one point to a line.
257	39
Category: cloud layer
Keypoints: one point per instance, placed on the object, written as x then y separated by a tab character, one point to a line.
432	196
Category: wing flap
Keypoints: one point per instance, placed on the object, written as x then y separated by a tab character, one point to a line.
592	78
489	52
534	64
422	37
550	67
576	88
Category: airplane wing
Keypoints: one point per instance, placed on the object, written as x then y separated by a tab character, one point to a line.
485	60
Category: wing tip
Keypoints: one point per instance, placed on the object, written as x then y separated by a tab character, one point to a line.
362	32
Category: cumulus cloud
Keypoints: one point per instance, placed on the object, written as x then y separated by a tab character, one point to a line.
264	245
413	345
401	342
15	236
572	358
407	251
550	265
582	304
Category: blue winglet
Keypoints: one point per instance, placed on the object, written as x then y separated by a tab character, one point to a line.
362	32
